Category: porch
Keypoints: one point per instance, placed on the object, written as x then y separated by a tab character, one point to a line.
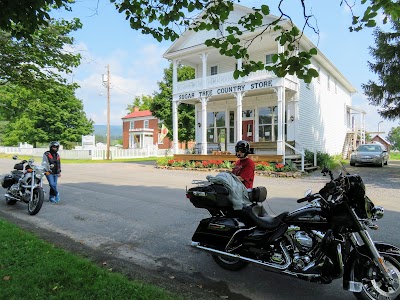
229	157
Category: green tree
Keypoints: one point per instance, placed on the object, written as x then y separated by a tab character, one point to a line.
40	60
142	102
385	92
164	20
23	17
161	106
394	137
39	116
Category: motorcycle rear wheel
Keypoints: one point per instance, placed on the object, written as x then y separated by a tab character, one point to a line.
374	286
227	263
36	203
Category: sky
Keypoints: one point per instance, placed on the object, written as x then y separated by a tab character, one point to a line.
136	64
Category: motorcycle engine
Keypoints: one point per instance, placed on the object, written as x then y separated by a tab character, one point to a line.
303	241
13	190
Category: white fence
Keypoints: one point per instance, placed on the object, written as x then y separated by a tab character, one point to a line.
95	154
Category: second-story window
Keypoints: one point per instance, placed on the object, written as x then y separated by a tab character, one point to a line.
131	124
268	59
146	123
214	70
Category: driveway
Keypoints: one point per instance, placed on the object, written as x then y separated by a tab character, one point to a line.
136	219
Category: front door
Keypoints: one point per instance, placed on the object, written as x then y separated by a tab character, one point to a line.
248	130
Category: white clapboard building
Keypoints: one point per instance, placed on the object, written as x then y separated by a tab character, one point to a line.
276	115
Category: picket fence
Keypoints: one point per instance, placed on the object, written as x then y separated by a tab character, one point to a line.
94	154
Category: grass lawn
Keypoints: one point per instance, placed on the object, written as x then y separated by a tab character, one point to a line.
33	269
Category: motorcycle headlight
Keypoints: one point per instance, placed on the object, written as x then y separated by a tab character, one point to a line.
40	171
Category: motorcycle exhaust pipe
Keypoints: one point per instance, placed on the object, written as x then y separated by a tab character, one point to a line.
246	259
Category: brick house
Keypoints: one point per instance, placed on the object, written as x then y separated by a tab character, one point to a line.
140	129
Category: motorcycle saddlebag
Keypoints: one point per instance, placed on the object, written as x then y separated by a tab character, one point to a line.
215	232
209	196
7	181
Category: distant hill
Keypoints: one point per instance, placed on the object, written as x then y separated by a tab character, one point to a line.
115	131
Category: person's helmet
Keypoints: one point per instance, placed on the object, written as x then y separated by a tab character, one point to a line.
242	146
54	144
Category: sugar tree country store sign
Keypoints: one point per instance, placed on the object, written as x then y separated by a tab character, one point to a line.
227	90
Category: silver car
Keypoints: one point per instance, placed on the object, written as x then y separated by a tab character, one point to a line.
371	154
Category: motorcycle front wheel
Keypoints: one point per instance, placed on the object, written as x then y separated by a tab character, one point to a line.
228	263
35	204
374	286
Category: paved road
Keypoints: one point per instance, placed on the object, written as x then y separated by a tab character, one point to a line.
140	215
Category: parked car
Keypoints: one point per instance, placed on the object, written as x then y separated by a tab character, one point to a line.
371	154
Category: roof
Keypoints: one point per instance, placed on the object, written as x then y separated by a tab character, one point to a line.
381	138
138	114
178	50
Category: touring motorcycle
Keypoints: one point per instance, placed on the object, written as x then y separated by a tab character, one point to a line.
25	184
325	239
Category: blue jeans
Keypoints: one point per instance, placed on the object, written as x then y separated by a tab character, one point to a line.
52	179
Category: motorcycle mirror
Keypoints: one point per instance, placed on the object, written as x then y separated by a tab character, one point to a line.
307	193
31	160
15	157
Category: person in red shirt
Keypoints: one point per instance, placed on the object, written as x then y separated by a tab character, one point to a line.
244	167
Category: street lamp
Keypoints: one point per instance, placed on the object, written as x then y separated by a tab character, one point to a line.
379	126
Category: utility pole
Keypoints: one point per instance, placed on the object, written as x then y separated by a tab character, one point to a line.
106	83
108	112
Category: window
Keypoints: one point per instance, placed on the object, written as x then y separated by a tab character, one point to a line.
268	59
231	127
214	70
146	124
267	124
131	124
216	127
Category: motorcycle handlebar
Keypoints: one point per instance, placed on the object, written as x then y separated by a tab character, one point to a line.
304	199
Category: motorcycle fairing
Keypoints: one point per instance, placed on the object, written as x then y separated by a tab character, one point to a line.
383	248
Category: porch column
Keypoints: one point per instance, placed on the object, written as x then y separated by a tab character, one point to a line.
204	63
174	75
280	139
239	118
204	125
175	124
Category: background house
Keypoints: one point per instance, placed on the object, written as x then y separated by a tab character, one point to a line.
377	138
140	129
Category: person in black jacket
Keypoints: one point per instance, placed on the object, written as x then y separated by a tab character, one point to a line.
52	158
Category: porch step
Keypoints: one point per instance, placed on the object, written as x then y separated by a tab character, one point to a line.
296	160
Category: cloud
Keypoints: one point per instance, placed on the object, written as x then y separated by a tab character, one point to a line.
131	74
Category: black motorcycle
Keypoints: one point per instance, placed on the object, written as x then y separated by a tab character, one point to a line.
25	184
326	239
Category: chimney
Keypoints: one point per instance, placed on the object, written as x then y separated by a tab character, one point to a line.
135	109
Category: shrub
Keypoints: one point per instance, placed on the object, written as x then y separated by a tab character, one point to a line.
163	161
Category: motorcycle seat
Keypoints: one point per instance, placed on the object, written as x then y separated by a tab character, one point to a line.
265	221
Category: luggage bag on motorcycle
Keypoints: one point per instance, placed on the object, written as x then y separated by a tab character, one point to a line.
215	232
209	196
7	181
